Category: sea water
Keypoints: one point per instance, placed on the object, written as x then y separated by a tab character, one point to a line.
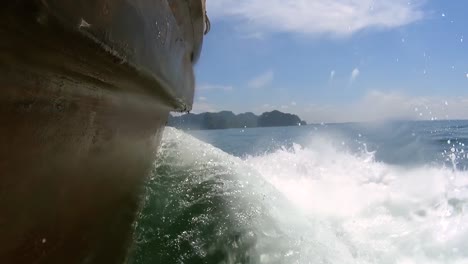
327	193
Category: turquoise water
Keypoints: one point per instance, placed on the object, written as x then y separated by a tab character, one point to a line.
341	193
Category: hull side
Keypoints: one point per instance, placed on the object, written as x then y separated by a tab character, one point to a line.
82	108
72	163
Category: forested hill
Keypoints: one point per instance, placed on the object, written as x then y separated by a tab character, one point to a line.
227	119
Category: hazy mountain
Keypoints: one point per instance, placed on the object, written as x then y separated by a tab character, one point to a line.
227	119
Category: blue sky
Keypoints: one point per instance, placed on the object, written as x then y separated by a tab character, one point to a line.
336	60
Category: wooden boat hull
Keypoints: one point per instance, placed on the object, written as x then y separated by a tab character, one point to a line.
85	91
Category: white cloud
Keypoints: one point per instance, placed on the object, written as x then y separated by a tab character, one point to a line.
265	108
212	87
262	80
293	103
354	74
312	17
201	105
254	35
332	75
380	106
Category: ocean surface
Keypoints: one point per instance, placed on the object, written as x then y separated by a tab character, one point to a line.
328	193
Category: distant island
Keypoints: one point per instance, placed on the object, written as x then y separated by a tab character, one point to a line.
227	119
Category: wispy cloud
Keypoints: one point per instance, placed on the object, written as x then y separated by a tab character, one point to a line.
261	80
312	17
354	74
381	106
332	75
211	87
202	104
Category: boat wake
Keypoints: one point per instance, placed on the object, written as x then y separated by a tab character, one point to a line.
315	203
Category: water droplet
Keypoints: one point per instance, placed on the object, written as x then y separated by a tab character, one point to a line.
443	14
84	24
44	240
448	141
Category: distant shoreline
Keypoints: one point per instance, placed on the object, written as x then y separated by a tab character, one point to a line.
227	119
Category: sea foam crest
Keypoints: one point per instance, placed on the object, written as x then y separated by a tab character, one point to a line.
382	213
323	204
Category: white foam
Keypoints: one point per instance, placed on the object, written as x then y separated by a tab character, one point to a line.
346	208
378	212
